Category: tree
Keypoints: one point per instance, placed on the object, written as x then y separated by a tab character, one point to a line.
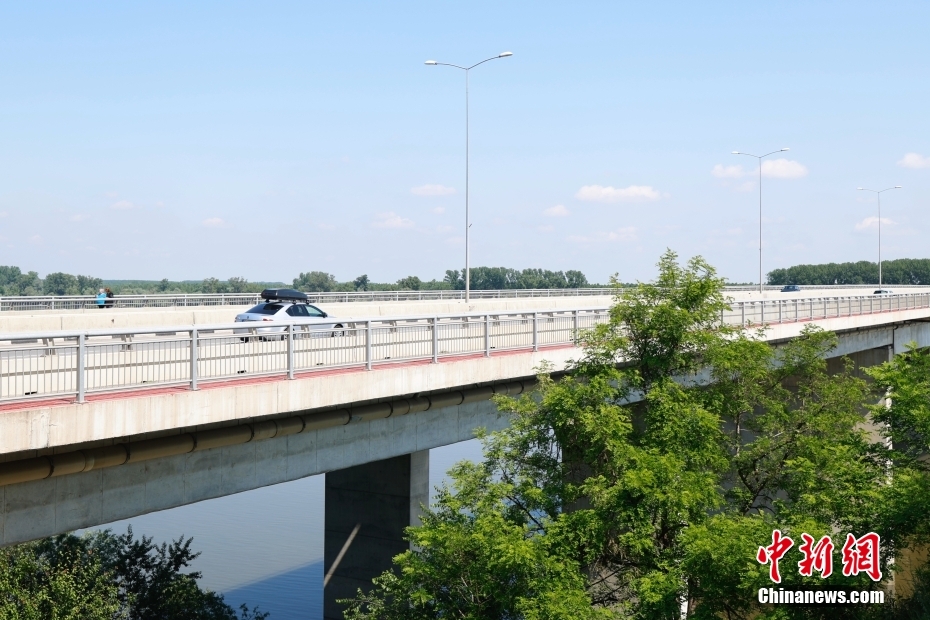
655	469
410	283
212	286
315	282
237	285
73	585
361	282
59	283
103	576
163	285
454	279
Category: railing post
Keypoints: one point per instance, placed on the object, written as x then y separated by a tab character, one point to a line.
762	312
780	304
194	356
742	307
575	325
536	331
81	374
487	335
435	340
290	351
368	345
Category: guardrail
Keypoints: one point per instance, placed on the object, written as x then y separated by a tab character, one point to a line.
74	364
65	364
75	302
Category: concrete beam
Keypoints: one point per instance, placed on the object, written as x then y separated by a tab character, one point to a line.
46	507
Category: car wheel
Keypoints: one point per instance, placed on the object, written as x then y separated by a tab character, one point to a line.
338	326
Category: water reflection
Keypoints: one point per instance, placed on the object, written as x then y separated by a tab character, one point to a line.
265	547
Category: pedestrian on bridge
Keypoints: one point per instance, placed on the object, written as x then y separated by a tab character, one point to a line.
101	298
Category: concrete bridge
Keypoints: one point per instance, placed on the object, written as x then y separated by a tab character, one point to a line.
100	425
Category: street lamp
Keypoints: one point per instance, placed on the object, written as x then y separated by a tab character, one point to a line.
467	223
760	157
879	194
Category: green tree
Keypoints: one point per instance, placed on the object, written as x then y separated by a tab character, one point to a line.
656	468
72	585
237	285
87	285
315	282
410	283
105	576
59	283
212	286
361	282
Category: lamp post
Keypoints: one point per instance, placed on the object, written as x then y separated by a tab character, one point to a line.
878	193
760	157
467	222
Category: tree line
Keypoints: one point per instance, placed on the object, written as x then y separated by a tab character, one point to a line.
13	282
898	271
628	488
105	576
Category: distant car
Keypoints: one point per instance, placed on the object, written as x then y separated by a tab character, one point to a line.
791	288
282	304
883	291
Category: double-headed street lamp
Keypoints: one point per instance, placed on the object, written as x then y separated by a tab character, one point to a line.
879	194
759	157
467	222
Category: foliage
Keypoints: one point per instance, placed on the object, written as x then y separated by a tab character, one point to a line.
72	585
361	282
900	271
410	283
315	282
107	576
498	278
656	468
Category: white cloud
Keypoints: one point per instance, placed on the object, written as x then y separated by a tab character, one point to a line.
432	190
111	194
214	222
443	229
546	228
621	234
783	169
556	211
914	160
391	220
872	222
122	205
439	210
80	217
3	214
159	204
35	239
633	193
325	226
728	172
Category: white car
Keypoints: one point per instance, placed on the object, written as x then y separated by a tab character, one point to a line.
288	305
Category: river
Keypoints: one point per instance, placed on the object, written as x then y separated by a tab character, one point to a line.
265	547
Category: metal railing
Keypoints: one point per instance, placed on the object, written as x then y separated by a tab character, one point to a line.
74	302
74	364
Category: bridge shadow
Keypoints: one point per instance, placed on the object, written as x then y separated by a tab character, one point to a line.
294	595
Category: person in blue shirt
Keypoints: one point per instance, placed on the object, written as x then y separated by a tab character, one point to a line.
101	298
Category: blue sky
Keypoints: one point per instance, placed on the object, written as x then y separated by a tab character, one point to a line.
187	140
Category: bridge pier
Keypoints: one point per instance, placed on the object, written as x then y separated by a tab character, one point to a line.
367	508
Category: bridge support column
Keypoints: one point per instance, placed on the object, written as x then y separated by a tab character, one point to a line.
380	499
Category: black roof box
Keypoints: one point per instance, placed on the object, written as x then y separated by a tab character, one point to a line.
283	294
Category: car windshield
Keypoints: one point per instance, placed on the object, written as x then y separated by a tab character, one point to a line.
265	309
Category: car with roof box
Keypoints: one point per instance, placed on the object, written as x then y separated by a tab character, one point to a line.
288	305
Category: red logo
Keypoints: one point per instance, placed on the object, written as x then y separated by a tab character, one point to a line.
773	553
860	555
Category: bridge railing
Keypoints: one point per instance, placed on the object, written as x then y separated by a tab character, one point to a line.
65	365
76	302
169	300
74	364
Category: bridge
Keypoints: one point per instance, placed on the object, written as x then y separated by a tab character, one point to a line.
98	425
